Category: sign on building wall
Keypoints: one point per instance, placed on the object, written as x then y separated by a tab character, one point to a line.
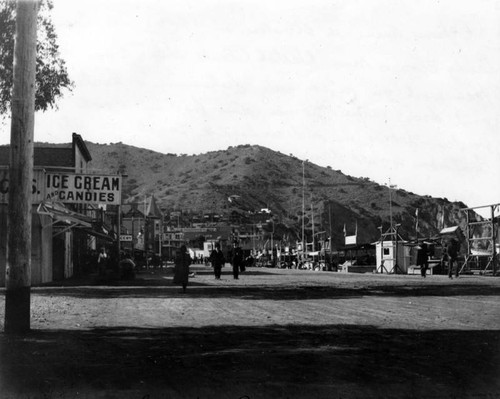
69	188
350	240
37	186
83	189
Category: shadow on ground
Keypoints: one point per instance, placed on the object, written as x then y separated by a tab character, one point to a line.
325	361
166	289
153	277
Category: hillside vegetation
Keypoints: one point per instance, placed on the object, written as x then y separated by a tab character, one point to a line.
256	177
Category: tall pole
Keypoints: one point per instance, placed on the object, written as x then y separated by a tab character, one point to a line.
119	231
272	238
119	226
145	233
382	267
18	267
312	218
133	237
160	236
390	202
303	207
253	239
493	240
330	223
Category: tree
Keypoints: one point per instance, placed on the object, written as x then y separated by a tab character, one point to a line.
51	73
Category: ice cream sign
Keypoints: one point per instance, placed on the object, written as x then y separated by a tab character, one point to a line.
83	189
69	188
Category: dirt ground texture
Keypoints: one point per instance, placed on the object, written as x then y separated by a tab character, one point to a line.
273	333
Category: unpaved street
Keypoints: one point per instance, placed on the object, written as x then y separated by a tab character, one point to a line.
272	333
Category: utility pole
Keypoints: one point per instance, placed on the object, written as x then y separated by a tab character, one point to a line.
303	208
330	223
145	232
390	202
119	230
160	235
18	267
133	236
312	218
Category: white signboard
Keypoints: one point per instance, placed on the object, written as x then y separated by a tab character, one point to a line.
37	188
83	189
350	240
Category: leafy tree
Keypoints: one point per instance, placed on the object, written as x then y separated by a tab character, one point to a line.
51	74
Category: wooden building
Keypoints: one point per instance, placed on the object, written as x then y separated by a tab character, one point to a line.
64	232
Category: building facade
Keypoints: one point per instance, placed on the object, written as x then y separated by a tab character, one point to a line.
67	222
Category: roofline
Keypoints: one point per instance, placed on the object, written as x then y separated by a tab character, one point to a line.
78	141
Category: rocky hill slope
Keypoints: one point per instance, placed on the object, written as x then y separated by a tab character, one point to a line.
244	179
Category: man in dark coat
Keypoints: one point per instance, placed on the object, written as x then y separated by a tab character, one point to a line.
452	251
181	268
237	260
423	258
217	260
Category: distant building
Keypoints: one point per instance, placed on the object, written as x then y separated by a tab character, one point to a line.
142	226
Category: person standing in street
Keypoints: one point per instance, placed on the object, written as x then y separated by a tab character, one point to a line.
217	260
181	267
452	251
274	256
102	261
237	260
423	258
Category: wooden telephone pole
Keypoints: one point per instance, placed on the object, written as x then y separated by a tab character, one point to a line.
18	268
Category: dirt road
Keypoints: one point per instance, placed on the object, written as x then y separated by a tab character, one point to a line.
271	334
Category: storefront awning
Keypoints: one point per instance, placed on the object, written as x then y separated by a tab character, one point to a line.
69	219
99	233
60	214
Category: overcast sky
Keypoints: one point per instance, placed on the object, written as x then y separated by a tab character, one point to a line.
395	90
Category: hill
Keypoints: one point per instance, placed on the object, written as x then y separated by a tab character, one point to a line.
240	180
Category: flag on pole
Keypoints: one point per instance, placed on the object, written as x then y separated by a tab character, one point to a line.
416	222
344	231
442	218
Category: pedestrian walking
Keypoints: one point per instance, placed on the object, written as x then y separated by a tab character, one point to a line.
127	267
102	261
452	251
423	258
217	259
237	260
181	268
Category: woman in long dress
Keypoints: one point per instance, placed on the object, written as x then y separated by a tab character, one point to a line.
181	268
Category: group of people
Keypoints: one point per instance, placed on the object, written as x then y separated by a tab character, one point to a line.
217	259
450	254
125	268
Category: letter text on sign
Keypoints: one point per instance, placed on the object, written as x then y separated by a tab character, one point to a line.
83	189
36	187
